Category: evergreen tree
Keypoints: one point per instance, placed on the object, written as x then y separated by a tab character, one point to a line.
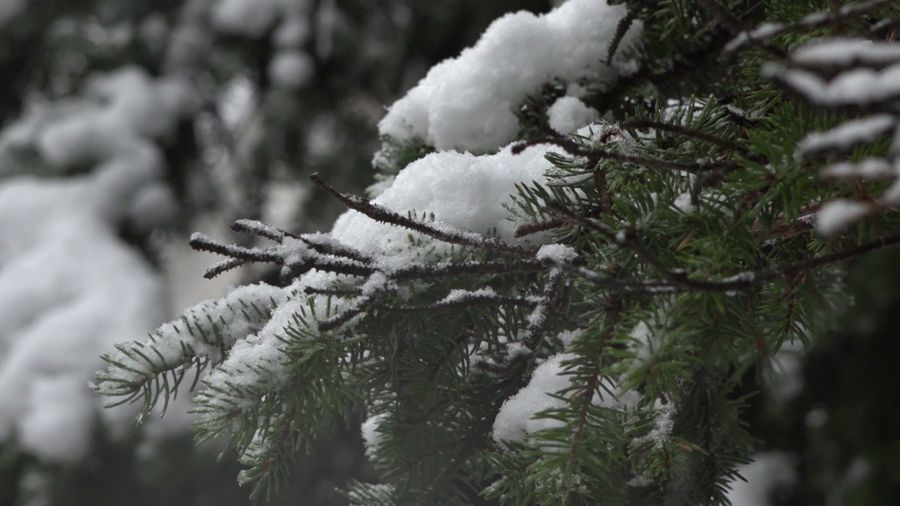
593	237
124	124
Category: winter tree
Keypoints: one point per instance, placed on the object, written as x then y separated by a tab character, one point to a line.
591	238
585	230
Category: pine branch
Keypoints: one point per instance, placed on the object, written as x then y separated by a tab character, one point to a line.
439	232
594	155
643	124
810	22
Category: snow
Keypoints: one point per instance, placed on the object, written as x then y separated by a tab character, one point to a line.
567	337
122	111
848	134
844	52
69	287
69	290
517	416
568	114
868	168
371	435
249	18
9	9
464	191
460	295
376	283
559	254
290	69
683	203
858	87
784	378
838	214
766	473
206	327
460	190
470	102
762	32
293	32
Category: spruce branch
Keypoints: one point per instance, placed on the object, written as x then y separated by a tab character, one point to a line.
595	155
767	32
591	388
644	124
439	232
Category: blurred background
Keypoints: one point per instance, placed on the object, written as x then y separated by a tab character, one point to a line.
126	125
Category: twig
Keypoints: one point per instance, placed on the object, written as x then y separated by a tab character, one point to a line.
441	233
641	124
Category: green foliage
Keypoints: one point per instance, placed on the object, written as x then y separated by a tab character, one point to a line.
690	211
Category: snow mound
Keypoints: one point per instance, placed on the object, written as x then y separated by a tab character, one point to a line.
568	114
470	102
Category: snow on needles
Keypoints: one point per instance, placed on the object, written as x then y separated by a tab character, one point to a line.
517	417
460	190
470	102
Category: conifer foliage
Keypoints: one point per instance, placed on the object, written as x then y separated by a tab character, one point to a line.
585	230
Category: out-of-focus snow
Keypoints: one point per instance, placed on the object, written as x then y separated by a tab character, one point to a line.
470	102
10	9
70	288
764	474
838	214
290	69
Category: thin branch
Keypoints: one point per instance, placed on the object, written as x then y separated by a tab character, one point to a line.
473	299
536	227
202	242
812	21
642	124
439	232
538	317
594	155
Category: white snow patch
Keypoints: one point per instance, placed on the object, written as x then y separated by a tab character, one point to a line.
370	433
872	168
250	18
290	69
9	9
683	203
839	214
839	51
859	87
568	114
517	417
470	102
462	190
69	287
848	134
764	474
557	254
69	290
